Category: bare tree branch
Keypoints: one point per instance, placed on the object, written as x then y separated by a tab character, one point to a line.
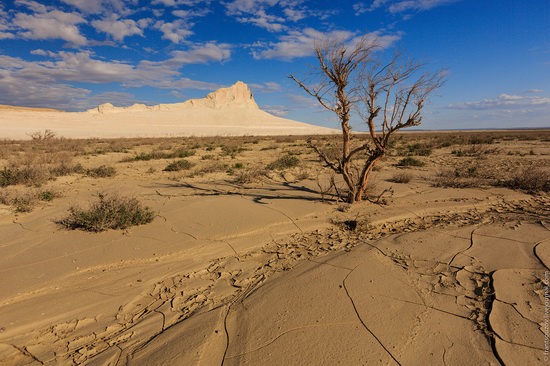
350	79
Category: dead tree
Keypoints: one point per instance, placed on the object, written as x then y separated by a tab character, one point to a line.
387	96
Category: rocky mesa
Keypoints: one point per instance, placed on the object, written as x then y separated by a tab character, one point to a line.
230	111
235	96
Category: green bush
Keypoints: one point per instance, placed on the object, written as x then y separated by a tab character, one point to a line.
410	161
178	165
401	177
157	155
419	149
531	180
109	212
102	171
284	162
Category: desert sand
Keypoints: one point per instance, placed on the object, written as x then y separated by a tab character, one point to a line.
228	111
275	270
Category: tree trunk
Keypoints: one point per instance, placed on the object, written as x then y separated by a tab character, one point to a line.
363	179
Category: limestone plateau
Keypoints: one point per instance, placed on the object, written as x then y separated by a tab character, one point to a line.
235	96
230	111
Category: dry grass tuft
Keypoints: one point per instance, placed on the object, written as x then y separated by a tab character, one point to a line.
401	177
284	162
531	180
251	175
27	200
410	161
178	165
102	171
109	212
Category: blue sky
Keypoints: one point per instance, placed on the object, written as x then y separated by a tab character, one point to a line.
77	54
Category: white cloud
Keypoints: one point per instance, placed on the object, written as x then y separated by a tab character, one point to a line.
362	7
239	7
175	31
505	101
198	54
535	91
53	24
186	14
276	110
294	14
45	53
267	87
119	29
399	6
174	3
47	83
417	5
15	90
32	5
260	19
102	6
300	43
4	25
271	15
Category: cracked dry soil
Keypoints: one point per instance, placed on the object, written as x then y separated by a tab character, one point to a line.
420	290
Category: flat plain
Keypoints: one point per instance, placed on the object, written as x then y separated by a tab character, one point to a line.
252	259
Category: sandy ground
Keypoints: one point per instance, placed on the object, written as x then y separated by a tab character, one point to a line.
268	273
197	122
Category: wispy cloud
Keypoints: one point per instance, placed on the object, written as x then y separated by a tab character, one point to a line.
301	43
267	87
176	31
399	6
175	3
505	101
48	82
276	110
121	7
49	24
118	29
272	15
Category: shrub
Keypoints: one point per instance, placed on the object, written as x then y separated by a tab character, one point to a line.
232	151
410	161
109	212
457	178
401	177
211	168
102	171
31	175
531	180
178	165
482	139
25	201
250	175
419	149
42	135
182	153
284	162
476	150
157	155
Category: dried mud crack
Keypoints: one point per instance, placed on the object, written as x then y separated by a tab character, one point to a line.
231	279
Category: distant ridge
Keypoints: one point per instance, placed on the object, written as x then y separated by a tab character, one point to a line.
235	96
230	111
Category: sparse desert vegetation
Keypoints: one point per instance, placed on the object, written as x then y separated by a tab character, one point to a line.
180	218
109	211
